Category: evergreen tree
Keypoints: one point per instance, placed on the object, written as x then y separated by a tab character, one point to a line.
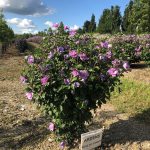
92	26
86	26
80	31
6	33
105	22
116	19
61	28
127	13
144	23
135	17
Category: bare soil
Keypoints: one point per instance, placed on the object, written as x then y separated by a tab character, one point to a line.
24	127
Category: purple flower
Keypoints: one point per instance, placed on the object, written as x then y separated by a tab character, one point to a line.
30	59
23	79
44	80
51	126
29	95
138	49
104	44
60	49
75	72
77	42
103	77
73	54
126	66
97	47
66	28
116	63
102	57
72	32
137	54
44	69
50	55
147	45
66	56
109	54
55	25
113	72
76	84
83	56
62	145
67	81
83	74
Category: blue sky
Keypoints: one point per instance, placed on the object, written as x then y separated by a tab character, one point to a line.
31	15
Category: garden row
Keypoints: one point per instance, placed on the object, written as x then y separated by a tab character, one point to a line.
25	44
132	48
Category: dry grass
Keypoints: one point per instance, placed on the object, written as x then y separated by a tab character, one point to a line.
135	95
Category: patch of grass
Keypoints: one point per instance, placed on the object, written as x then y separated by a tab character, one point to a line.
133	99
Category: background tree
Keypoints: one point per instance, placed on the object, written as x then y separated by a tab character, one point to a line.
61	28
105	22
126	18
144	23
6	33
116	19
86	26
80	31
135	17
92	26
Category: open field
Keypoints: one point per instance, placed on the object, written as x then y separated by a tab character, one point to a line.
125	116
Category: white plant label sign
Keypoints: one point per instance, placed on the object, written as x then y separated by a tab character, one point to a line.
91	140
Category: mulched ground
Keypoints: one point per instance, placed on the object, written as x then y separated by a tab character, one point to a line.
23	127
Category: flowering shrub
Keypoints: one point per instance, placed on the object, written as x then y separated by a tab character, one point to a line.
146	53
127	48
132	47
21	45
70	76
35	39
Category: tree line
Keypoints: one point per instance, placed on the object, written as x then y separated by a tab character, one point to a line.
136	19
6	33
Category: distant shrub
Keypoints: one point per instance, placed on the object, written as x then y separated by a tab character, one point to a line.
133	48
126	48
35	39
21	45
146	53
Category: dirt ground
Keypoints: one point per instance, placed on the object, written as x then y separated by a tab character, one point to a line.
23	127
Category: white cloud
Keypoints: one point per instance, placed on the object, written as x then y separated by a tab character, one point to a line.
4	3
22	23
75	27
28	31
13	21
26	7
49	23
26	23
35	31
